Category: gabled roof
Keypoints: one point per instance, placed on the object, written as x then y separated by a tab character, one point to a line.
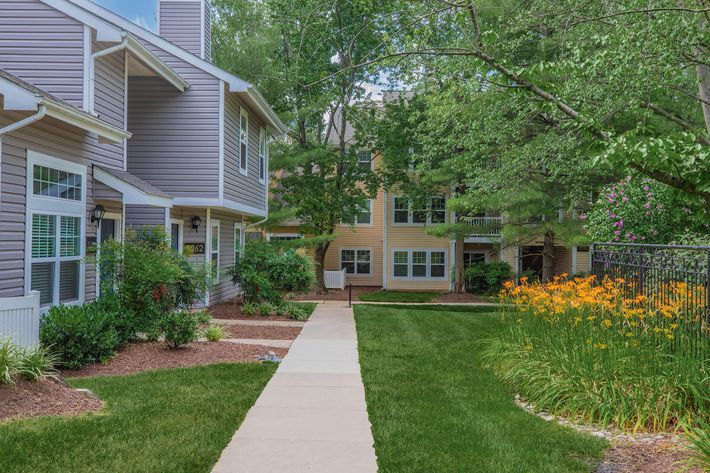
19	95
134	189
110	26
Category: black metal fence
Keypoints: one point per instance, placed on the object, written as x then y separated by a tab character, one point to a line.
664	274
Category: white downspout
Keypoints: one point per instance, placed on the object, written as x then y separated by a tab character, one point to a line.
92	69
41	113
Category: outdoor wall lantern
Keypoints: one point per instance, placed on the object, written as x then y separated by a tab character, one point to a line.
196	221
97	214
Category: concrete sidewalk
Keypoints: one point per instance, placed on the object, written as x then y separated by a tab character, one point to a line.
312	416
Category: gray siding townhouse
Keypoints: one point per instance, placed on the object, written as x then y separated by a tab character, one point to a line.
99	114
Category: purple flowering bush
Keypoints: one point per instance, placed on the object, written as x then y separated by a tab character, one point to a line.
641	210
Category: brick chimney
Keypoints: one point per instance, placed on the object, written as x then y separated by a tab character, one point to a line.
187	23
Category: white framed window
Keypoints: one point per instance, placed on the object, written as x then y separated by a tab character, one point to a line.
214	249
356	261
243	142
55	226
176	236
364	159
416	263
262	155
284	236
365	216
405	213
238	242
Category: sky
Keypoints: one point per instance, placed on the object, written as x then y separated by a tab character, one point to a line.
141	12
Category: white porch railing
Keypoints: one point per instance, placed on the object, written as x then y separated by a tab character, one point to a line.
19	319
485	226
334	279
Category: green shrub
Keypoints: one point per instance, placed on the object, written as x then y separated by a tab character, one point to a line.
297	312
30	363
10	356
203	317
487	278
249	309
37	363
81	334
266	309
214	333
264	273
700	445
149	278
178	328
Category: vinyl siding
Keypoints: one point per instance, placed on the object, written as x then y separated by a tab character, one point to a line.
413	237
175	143
361	237
180	23
238	187
52	138
138	216
44	47
208	31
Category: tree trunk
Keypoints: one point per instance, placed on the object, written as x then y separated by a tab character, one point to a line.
319	260
548	257
459	280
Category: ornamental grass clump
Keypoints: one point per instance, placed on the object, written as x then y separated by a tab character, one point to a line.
581	349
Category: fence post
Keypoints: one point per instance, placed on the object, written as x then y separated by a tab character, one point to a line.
35	316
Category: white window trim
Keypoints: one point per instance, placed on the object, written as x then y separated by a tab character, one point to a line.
240	227
428	251
372	158
272	235
355	249
243	170
216	223
410	214
477	252
181	225
55	206
262	155
371	204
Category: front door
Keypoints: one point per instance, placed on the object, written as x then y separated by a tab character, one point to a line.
109	229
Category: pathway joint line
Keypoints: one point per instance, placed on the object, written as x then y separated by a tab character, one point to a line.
312	415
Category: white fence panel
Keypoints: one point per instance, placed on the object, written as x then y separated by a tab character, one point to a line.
334	279
19	319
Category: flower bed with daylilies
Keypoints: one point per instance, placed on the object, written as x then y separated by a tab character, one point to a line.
580	348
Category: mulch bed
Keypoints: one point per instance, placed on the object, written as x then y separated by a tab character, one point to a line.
452	297
146	356
43	398
335	294
263	333
646	457
227	310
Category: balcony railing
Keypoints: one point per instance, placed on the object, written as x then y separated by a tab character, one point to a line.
485	226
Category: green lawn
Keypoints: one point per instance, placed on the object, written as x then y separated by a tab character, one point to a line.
435	408
397	296
162	421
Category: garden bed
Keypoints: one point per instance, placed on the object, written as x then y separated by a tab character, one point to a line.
657	456
231	311
334	294
261	332
146	356
43	398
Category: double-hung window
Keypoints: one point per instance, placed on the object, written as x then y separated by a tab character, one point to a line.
262	155
214	248
243	141
364	159
56	219
364	217
356	261
419	264
430	211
